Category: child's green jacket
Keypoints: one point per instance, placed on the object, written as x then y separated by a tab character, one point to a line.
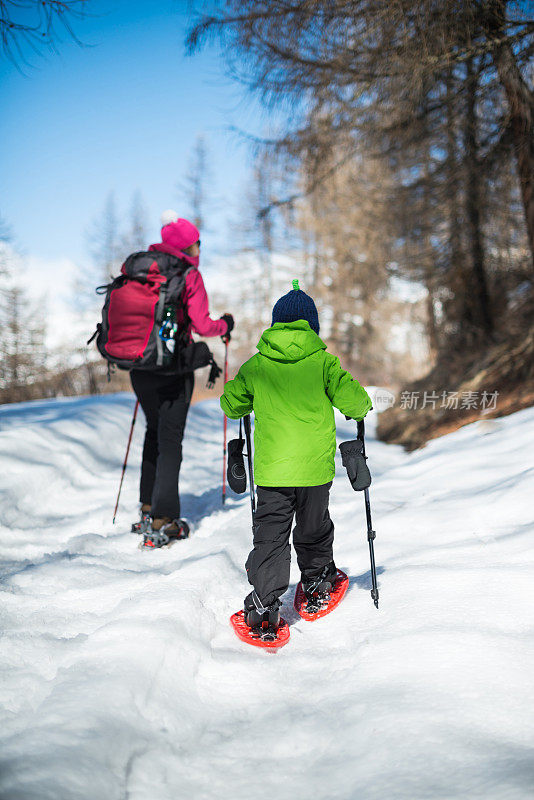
291	385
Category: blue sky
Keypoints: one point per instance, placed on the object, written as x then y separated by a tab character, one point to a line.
118	115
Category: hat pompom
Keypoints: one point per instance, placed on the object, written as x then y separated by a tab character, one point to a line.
168	216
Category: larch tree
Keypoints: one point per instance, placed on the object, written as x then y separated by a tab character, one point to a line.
438	91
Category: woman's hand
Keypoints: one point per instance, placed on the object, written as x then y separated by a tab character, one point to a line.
228	318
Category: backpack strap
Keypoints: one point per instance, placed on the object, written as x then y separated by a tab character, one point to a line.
175	292
165	289
115	283
158	316
186	319
95	334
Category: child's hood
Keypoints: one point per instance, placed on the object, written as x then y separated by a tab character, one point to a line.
290	341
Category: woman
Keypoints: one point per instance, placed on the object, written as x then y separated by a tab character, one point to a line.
165	399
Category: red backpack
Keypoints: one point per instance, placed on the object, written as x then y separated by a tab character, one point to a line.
144	319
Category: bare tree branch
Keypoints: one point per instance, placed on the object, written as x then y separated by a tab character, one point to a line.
37	24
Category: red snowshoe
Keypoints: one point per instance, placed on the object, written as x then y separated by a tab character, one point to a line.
262	635
315	602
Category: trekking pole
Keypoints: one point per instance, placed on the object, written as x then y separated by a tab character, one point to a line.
126	459
371	535
250	467
225	423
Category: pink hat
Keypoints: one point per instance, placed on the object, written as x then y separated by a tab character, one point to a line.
180	234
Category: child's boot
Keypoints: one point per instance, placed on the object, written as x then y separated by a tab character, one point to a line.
318	589
264	620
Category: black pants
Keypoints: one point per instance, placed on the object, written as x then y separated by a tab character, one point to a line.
165	401
268	563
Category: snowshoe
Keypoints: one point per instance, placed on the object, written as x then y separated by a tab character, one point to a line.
263	634
144	524
165	535
314	599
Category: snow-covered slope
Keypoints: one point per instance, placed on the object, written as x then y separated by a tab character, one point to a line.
121	677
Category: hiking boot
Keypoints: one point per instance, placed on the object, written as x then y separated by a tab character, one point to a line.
317	595
174	528
143	526
318	590
264	620
163	529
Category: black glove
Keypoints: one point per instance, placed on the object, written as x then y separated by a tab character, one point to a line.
215	371
230	322
356	464
235	473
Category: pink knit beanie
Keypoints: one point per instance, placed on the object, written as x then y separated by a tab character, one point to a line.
180	234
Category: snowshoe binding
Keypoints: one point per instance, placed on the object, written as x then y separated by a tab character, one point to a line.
144	524
261	626
264	622
318	597
165	535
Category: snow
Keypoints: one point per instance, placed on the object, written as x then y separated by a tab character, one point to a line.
121	677
405	291
50	284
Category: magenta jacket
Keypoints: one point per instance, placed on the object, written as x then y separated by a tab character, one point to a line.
195	297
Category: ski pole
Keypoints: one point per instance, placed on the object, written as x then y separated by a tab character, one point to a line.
250	467
125	459
371	535
225	423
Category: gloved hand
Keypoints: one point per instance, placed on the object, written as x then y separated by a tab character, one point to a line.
230	322
235	472
356	464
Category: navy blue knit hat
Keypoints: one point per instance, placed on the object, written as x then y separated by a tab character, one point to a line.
295	305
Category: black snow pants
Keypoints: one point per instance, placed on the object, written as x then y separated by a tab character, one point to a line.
165	401
268	563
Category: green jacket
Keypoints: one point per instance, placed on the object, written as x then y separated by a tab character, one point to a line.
291	385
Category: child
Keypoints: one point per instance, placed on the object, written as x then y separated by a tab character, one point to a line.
291	385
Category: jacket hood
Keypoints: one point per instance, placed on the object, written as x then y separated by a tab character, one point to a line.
290	341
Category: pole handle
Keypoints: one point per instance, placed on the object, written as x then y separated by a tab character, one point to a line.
361	427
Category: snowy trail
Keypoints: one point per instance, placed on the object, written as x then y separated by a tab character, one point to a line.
121	678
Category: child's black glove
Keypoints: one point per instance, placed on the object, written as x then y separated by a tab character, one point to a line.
356	464
235	473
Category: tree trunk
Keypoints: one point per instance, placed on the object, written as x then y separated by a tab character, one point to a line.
479	302
429	267
457	280
431	324
520	104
